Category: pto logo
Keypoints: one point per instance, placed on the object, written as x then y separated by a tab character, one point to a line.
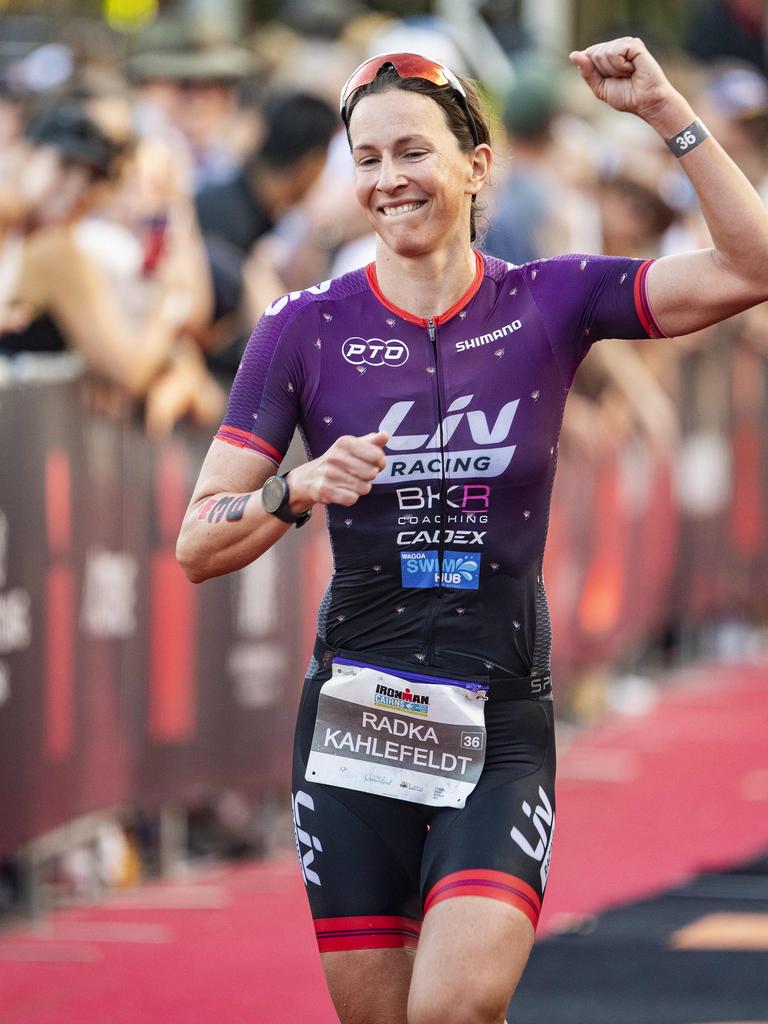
421	569
401	700
375	352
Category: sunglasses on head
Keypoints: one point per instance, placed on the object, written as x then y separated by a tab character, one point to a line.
407	65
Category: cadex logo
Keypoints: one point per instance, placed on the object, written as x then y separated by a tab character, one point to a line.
491	458
375	352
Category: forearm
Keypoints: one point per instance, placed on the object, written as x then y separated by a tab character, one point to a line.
58	277
224	532
137	367
733	211
688	291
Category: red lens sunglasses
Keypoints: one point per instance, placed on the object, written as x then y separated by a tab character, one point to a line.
407	65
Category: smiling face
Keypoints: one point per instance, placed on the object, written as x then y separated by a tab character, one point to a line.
411	178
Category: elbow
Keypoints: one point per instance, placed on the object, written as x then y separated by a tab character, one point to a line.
191	564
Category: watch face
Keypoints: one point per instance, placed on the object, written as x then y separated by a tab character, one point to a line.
273	493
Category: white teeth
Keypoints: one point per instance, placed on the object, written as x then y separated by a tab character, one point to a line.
395	211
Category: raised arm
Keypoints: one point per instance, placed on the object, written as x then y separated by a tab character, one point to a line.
688	291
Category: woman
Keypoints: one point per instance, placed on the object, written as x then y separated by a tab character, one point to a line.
429	388
72	278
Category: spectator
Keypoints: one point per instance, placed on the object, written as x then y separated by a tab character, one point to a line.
235	215
56	293
728	28
187	89
536	212
12	104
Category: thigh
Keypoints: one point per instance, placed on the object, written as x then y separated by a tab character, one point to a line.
470	958
499	845
484	873
369	986
360	856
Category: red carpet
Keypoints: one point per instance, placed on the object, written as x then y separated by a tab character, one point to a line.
647	801
643	802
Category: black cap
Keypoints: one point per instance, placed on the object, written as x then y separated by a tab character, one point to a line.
68	129
296	124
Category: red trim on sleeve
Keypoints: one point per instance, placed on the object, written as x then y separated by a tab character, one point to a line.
495	885
642	304
336	934
245	439
444	317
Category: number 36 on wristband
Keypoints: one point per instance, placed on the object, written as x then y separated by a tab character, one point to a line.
688	139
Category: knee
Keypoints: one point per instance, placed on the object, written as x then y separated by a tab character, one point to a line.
467	1008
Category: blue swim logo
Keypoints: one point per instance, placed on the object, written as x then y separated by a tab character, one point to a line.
460	570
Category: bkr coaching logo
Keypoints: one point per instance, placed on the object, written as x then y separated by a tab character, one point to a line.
375	352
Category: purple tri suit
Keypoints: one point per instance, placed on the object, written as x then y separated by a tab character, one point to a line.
473	407
439	569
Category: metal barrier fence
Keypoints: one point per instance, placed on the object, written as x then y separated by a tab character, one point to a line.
124	686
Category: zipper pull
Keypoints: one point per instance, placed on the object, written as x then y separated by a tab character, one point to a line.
431	329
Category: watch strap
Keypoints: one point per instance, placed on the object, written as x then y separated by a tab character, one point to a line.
283	512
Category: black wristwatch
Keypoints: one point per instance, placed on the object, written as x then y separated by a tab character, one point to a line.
275	497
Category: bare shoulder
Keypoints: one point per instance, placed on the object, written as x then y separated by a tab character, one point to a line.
51	261
50	245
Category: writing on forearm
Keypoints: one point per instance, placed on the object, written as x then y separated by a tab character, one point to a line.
230	508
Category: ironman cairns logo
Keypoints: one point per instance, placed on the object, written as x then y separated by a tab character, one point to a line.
401	700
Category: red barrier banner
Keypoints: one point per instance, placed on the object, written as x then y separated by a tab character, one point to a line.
124	686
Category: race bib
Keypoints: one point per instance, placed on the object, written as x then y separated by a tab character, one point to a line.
408	736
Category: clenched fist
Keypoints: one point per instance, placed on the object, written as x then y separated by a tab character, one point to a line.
623	74
340	476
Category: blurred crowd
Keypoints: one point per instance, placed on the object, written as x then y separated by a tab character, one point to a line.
156	195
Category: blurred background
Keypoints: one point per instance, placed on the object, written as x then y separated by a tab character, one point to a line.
167	169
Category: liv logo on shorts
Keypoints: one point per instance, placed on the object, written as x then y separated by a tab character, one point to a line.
306	844
543	818
461	571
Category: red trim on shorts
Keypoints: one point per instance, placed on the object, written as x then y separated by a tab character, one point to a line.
336	934
495	885
642	303
373	281
245	439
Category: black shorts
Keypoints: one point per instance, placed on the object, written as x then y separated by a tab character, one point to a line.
373	865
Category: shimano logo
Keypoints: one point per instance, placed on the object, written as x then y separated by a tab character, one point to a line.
486	339
375	352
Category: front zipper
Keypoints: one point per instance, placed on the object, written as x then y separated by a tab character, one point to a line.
432	334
